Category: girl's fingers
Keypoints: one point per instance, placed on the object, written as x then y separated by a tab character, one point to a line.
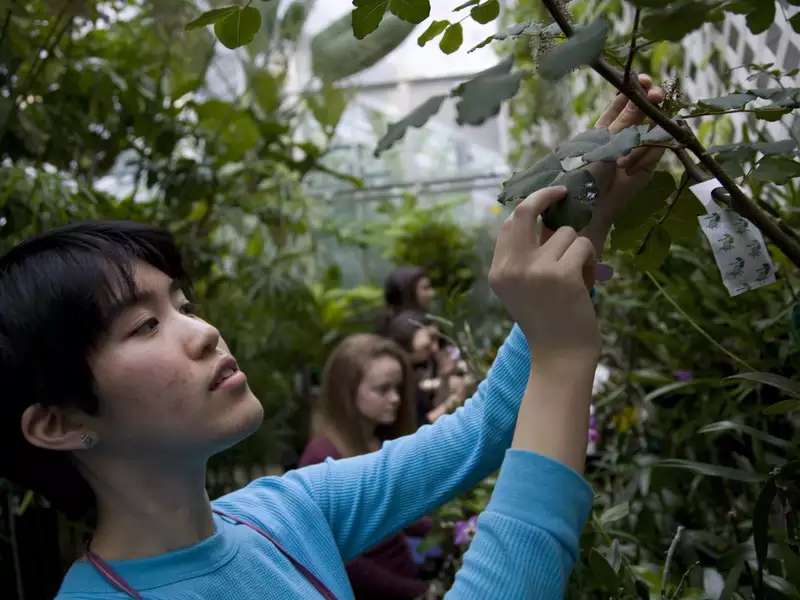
612	112
580	257
558	243
521	228
646	159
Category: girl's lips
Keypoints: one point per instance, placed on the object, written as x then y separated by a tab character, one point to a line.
235	380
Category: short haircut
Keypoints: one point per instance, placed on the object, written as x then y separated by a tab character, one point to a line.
59	292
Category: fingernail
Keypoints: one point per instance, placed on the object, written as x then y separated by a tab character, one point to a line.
603	272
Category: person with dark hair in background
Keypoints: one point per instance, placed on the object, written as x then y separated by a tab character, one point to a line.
405	288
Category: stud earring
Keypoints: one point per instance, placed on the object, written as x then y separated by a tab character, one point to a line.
88	439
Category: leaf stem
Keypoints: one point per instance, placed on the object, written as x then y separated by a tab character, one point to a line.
668	563
694	324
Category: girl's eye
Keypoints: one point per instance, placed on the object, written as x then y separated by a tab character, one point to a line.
149	326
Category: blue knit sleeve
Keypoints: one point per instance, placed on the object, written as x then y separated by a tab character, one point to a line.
368	497
527	538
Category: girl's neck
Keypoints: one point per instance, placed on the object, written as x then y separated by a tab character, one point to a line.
147	510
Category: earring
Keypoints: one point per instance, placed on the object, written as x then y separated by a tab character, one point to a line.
88	439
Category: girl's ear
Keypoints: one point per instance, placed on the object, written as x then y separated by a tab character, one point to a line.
53	428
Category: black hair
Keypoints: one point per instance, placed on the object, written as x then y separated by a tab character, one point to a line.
403	326
59	292
400	288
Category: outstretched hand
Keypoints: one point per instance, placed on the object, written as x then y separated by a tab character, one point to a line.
620	181
543	283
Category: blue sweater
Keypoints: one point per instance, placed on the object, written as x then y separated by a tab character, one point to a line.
326	514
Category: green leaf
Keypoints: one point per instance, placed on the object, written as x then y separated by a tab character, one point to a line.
210	17
466	4
771	114
366	16
433	30
681	224
602	572
583	48
729	102
452	39
782	408
527	181
654	249
583	143
779	147
676	19
795	22
336	54
328	107
238	28
761	522
615	513
751	431
482	97
413	11
762	17
619	145
575	210
416	118
781	585
782	383
485	12
776	169
656	135
711	470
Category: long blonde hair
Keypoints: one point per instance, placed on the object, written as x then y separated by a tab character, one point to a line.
336	415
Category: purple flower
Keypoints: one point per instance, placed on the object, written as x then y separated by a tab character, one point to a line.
464	531
683	375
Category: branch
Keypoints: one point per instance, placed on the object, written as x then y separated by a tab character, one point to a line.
668	563
632	51
633	90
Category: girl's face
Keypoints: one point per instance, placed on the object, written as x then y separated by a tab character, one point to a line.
423	345
167	384
379	394
425	293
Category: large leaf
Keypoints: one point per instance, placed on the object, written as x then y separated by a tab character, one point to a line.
782	383
238	28
729	102
759	20
711	470
776	169
525	182
434	30
416	118
619	145
751	431
654	249
673	20
615	513
211	16
482	98
583	48
336	54
583	143
366	16
413	11
452	39
486	12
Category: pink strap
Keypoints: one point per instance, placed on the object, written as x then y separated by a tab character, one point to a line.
117	581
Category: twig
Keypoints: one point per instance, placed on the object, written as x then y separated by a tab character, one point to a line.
739	200
683	579
632	51
694	324
668	563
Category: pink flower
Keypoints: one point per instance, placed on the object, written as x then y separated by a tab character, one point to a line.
464	531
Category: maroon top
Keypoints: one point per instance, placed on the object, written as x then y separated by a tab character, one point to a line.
386	571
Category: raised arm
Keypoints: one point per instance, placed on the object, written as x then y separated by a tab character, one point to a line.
367	497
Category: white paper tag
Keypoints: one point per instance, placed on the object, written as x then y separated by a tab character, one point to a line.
703	192
739	249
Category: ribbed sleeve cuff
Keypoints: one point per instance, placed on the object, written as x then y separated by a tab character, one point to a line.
545	493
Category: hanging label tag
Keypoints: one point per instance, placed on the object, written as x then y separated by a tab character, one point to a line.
738	245
739	250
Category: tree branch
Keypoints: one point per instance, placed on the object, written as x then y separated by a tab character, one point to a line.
633	90
632	52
